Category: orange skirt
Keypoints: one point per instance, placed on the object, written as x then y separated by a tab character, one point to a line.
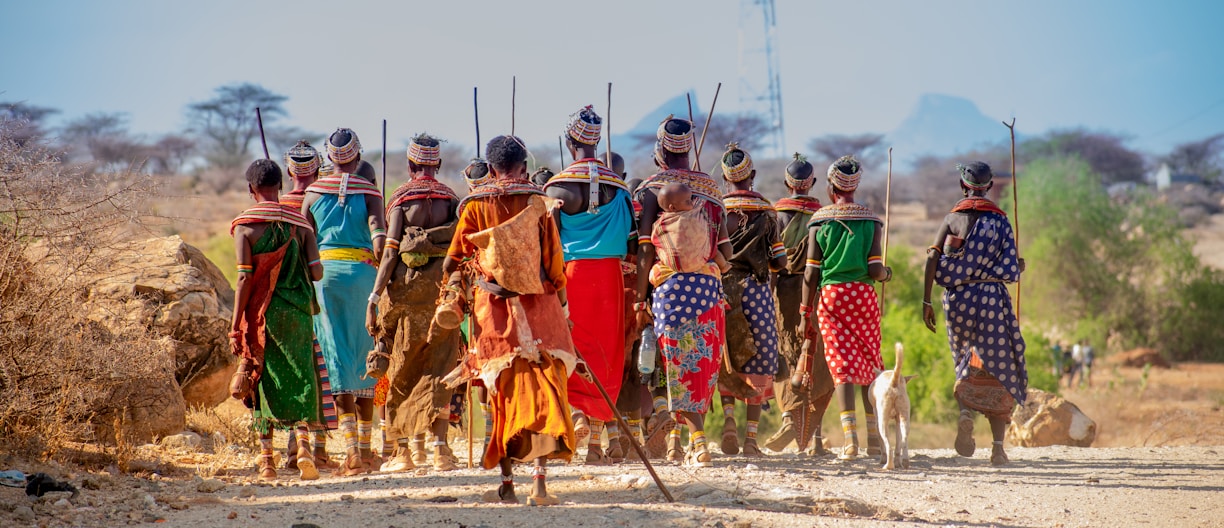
531	413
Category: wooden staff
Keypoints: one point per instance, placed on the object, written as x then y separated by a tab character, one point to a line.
476	114
561	152
470	410
1011	127
513	97
607	128
625	427
262	139
384	159
887	208
689	96
706	127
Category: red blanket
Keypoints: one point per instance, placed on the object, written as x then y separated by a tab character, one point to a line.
596	301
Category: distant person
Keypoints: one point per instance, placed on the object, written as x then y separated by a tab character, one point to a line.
271	331
974	258
1089	355
1056	355
348	214
1077	365
843	264
1066	366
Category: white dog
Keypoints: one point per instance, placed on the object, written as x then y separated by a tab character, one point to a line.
891	402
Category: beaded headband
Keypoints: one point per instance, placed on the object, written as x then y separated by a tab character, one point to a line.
584	126
800	184
326	169
467	173
842	181
970	184
675	143
422	154
302	159
740	171
344	153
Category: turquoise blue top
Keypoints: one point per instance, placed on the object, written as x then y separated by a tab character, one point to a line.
342	226
604	234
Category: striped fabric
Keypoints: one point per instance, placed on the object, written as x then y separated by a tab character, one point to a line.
266	212
329	401
699	182
421	188
798	203
843	211
746	201
579	172
340	185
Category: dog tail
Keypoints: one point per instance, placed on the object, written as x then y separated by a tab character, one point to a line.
897	377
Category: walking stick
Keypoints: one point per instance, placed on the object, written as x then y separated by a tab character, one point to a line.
620	420
1015	208
513	97
608	128
262	139
561	153
887	204
706	127
470	411
476	114
384	159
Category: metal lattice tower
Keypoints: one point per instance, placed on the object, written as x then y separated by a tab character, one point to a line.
760	85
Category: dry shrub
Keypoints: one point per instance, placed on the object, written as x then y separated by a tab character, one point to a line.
62	377
234	427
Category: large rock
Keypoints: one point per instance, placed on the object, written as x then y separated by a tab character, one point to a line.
1142	357
1047	419
171	289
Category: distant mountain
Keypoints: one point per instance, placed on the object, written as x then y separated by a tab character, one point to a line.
943	125
649	124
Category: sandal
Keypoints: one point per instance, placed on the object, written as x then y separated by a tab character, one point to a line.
444	459
965	446
267	467
730	438
782	438
547	500
656	435
751	449
699	458
353	465
675	453
616	450
596	456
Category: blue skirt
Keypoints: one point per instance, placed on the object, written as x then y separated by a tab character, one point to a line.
340	324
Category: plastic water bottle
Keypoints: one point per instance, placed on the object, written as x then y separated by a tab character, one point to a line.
648	351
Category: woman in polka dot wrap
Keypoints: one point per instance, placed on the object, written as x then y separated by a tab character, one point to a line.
983	332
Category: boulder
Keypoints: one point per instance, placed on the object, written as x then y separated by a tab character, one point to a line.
1047	419
166	286
1141	357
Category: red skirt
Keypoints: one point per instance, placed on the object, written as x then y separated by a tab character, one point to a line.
849	316
595	289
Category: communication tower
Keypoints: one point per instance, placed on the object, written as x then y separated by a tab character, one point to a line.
760	85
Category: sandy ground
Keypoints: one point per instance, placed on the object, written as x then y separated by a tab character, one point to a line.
1053	486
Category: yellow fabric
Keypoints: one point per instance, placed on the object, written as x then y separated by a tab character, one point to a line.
349	254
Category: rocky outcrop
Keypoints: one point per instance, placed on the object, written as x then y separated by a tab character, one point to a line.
1047	419
170	289
1142	357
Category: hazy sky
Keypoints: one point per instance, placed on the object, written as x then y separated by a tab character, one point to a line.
1153	70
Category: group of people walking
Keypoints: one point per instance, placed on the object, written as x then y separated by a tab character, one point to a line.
538	292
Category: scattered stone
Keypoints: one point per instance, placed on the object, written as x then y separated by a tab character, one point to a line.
93	482
63	504
246	492
232	515
1047	419
210	486
586	476
347	498
186	440
442	498
741	524
24	514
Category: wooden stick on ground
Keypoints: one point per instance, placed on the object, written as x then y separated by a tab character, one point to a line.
705	128
1011	127
262	139
625	427
887	208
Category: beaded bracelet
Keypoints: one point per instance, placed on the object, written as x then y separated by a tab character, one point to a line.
805	309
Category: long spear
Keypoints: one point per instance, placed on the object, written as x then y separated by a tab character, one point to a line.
689	96
887	210
476	114
607	128
625	427
706	127
384	158
1011	127
561	153
262	139
513	98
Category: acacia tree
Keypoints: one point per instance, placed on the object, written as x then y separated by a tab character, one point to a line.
1201	157
24	121
226	123
105	137
867	148
1105	153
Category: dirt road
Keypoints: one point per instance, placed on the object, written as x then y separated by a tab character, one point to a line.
1181	486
